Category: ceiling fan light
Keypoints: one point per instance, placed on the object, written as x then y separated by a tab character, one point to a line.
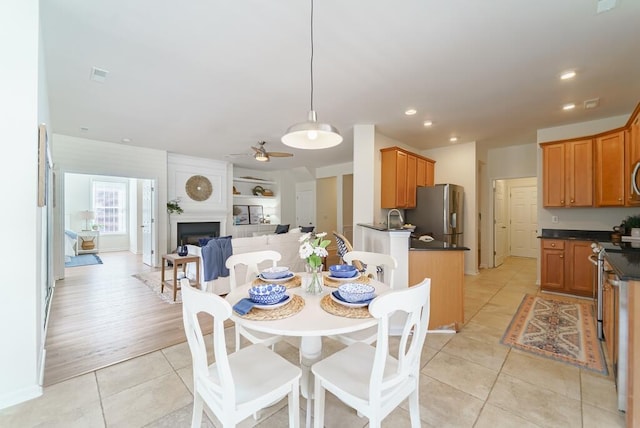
312	135
261	157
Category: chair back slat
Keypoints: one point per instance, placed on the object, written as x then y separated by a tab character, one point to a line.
375	264
194	302
251	261
415	302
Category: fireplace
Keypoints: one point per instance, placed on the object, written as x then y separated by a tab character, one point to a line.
192	232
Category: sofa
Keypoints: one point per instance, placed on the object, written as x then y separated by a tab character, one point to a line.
287	244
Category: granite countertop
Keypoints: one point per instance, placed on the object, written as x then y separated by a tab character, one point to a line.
582	235
624	258
417	245
382	227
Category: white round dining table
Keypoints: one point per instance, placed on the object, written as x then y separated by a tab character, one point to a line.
310	325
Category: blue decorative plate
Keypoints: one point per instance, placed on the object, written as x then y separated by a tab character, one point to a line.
286	299
335	296
285	278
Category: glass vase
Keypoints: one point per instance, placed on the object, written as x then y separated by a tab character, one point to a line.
313	279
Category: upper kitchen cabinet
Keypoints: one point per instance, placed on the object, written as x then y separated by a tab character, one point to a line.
401	173
609	169
567	174
632	158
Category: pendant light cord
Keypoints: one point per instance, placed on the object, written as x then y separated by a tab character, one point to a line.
311	54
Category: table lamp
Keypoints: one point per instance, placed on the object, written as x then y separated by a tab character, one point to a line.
87	215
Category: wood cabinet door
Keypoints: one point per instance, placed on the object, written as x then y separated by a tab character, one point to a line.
552	274
553	175
579	174
579	271
609	170
412	169
421	172
632	154
608	319
401	180
430	176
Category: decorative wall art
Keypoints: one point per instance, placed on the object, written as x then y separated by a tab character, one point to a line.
198	188
256	214
241	214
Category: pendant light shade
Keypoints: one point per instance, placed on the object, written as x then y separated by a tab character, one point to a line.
311	135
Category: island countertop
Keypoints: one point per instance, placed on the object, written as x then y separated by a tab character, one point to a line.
417	245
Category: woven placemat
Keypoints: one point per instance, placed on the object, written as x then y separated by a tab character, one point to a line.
330	282
293	307
294	282
335	308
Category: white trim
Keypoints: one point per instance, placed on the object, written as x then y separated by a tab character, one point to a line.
21	395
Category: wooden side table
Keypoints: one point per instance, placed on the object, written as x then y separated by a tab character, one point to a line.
177	261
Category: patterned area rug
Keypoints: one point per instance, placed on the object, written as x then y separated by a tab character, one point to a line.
557	329
152	280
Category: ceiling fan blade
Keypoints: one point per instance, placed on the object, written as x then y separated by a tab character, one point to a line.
279	154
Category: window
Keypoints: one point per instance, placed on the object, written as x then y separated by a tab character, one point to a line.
110	206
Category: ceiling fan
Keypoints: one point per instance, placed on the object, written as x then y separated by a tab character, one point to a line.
262	155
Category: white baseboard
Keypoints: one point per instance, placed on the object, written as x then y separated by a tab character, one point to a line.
16	397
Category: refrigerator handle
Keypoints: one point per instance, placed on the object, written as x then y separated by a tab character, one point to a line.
453	220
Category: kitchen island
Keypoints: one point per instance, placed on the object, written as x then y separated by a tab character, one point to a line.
444	264
624	259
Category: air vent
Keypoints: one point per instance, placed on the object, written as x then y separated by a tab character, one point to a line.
593	103
605	5
98	74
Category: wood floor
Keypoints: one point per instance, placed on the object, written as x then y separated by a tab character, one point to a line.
101	315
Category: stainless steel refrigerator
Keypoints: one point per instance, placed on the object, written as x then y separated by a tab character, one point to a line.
439	213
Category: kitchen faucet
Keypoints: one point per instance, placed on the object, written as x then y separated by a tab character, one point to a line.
395	211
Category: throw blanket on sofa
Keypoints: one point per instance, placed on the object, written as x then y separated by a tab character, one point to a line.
214	257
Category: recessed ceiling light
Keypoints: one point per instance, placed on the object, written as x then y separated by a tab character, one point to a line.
84	129
569	74
453	139
126	140
568	106
410	111
427	123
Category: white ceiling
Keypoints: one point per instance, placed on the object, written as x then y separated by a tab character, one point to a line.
209	78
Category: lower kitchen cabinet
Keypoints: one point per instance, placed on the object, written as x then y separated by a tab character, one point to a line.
566	267
610	321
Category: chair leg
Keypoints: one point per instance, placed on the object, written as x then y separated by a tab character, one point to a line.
318	405
294	405
196	418
414	409
237	338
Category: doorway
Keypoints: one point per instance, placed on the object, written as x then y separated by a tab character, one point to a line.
118	210
515	219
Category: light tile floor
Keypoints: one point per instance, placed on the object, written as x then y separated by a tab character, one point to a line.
467	380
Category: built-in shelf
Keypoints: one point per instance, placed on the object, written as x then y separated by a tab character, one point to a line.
241	196
252	180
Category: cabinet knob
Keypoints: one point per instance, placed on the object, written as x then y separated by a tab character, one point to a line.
562	256
562	202
620	199
572	201
553	244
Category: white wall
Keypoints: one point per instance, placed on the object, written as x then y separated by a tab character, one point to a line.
457	164
20	306
579	218
84	156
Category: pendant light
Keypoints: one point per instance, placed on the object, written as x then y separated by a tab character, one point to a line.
312	134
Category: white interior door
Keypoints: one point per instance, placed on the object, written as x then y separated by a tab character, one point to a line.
500	250
524	221
305	208
147	222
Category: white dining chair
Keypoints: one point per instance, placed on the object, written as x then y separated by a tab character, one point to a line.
251	261
368	378
374	262
374	265
236	385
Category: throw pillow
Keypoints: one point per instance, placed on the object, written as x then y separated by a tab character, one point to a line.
306	229
282	228
203	241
